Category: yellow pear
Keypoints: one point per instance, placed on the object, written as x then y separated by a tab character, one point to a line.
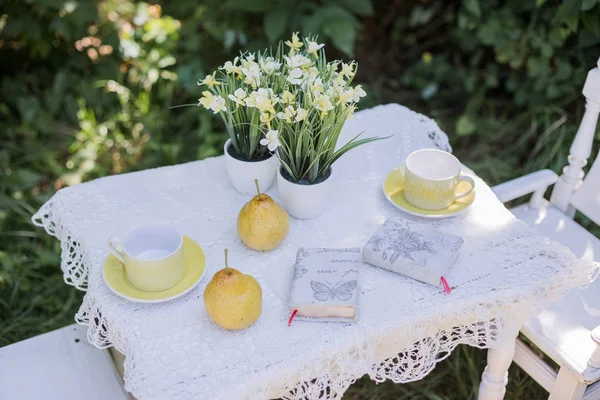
233	300
262	223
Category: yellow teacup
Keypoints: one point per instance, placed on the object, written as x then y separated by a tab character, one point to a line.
431	179
152	254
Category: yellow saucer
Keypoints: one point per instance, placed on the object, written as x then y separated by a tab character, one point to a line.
393	188
195	265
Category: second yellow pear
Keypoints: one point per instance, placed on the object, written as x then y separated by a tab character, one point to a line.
262	223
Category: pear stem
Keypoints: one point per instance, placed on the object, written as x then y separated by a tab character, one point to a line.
257	187
227	264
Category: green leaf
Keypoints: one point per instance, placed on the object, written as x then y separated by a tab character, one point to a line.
472	6
312	23
251	5
539	3
359	7
569	8
343	36
28	108
341	28
591	22
587	5
275	22
465	126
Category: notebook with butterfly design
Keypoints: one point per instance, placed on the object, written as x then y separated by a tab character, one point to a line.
325	285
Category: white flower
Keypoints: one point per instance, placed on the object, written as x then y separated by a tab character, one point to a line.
353	94
313	47
287	97
317	86
240	93
300	114
358	93
271	140
296	76
294	44
206	99
250	57
252	74
339	80
313	73
269	65
287	115
232	67
263	99
347	70
323	104
266	118
212	102
238	96
264	104
209	81
351	113
218	104
297	61
347	96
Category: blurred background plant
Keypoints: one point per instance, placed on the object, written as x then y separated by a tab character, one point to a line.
85	91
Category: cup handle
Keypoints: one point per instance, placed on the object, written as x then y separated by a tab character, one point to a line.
116	248
463	178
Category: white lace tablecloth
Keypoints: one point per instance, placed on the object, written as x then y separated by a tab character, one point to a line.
504	273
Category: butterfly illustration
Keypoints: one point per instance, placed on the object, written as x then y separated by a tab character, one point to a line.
299	272
325	291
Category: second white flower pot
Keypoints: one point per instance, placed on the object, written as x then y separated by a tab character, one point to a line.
243	173
304	201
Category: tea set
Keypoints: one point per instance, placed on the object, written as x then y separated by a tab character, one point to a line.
154	262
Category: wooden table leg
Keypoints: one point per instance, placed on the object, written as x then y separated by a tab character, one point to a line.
119	360
495	376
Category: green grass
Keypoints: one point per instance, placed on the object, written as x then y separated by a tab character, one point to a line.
455	378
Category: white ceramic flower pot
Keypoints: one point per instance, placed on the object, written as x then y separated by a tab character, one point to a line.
304	201
243	173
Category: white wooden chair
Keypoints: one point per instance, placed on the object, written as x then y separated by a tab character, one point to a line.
59	365
569	330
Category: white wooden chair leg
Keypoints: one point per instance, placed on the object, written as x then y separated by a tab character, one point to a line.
566	387
495	375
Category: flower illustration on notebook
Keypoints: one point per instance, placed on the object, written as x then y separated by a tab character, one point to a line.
325	284
404	243
299	272
326	291
413	250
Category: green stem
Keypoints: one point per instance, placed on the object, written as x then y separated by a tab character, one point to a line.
257	188
227	269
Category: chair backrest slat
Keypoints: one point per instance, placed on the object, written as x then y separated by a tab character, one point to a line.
570	191
587	198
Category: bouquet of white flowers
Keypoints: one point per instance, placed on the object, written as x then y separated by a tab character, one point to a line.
242	92
316	97
293	102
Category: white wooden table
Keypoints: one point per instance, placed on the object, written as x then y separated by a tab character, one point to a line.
503	275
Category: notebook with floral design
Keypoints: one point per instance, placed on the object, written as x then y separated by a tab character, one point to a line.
414	250
325	285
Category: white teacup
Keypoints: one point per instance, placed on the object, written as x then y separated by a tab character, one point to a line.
431	179
152	254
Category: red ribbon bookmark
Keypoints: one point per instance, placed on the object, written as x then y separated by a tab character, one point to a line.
292	317
445	285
